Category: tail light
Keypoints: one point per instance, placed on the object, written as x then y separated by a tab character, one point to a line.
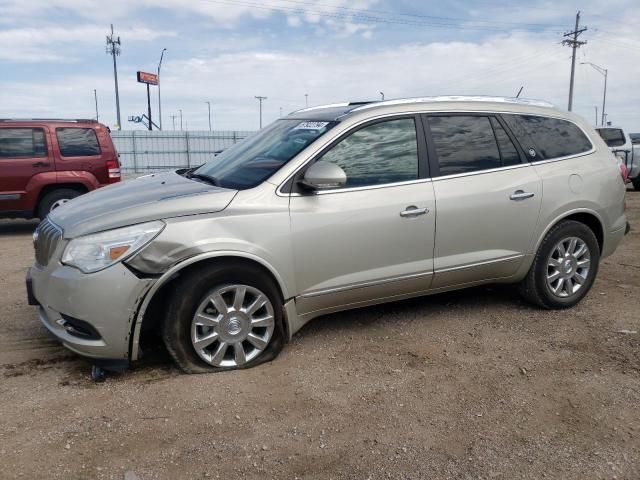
113	167
624	172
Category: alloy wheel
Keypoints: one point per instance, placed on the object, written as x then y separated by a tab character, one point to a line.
232	325
568	267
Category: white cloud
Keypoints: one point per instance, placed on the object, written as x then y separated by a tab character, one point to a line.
43	44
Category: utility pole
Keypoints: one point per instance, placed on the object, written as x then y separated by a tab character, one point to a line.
95	97
605	73
113	49
209	106
572	41
306	100
596	124
281	112
180	110
260	99
173	119
159	103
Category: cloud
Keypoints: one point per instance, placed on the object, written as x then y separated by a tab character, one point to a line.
25	45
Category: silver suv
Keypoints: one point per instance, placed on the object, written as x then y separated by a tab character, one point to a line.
327	209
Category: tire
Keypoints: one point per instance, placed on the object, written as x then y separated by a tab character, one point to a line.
636	183
52	199
180	329
541	280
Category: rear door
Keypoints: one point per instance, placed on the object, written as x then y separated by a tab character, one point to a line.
79	150
488	199
23	154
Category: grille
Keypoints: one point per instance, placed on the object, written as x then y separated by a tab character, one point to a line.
46	241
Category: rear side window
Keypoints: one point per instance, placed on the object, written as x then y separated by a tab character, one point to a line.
544	138
464	144
385	152
613	137
22	143
77	142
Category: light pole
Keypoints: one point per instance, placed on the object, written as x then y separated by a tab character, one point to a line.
382	95
180	110
306	99
159	104
95	97
602	71
260	99
209	107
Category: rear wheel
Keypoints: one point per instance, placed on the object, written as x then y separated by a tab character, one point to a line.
224	319
54	199
564	268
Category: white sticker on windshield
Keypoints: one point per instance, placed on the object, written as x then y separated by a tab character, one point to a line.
311	125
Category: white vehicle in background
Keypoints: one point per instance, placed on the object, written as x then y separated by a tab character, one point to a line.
625	150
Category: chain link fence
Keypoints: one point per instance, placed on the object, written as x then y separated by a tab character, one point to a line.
145	151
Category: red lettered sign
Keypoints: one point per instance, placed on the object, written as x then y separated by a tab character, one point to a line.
150	78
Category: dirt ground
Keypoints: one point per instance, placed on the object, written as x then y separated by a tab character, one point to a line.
468	385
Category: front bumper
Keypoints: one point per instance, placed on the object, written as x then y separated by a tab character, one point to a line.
71	303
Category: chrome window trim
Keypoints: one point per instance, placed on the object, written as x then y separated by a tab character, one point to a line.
372	283
280	193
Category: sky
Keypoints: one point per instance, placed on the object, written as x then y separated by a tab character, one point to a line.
227	52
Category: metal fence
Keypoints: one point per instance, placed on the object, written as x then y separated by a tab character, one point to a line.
144	151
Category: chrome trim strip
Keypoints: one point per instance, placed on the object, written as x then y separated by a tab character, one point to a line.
353	286
357	189
10	196
481	172
479	264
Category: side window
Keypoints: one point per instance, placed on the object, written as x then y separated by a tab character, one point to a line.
508	151
22	143
384	152
544	138
613	137
77	142
464	144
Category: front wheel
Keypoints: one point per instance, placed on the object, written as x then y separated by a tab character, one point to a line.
564	267
224	319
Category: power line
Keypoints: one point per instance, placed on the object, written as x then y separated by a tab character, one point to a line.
572	41
362	17
413	15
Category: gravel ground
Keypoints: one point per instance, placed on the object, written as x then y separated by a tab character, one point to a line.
470	385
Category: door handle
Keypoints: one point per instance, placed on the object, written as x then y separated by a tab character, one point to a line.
521	195
413	211
40	164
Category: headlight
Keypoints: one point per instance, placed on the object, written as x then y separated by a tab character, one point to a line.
99	250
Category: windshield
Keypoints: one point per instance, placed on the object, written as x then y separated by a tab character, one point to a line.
613	137
259	156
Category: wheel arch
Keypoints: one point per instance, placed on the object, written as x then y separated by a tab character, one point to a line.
587	217
148	314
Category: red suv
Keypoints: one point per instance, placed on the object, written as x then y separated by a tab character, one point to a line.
45	163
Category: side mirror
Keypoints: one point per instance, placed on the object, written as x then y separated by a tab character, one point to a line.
324	175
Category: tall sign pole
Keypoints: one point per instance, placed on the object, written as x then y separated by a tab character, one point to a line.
159	102
149	79
113	49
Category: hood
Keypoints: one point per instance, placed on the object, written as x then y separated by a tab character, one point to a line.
151	197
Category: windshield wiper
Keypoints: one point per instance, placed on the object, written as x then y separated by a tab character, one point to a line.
206	178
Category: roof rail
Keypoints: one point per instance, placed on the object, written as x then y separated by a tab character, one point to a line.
458	98
70	120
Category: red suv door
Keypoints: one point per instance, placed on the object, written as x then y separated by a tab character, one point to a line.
24	153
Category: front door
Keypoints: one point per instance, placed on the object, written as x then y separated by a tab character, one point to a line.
23	154
372	239
488	199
